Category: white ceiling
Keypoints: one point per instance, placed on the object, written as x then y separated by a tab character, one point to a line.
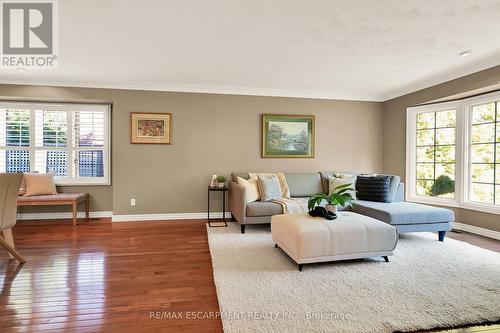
362	50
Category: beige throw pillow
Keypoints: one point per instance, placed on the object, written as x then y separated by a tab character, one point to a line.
39	184
251	188
22	188
341	179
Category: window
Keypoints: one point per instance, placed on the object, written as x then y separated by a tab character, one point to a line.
436	134
453	153
485	153
71	140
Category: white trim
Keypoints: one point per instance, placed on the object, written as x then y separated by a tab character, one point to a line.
411	153
476	230
61	215
122	218
460	71
211	89
171	216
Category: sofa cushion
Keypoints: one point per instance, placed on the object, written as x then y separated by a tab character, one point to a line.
339	180
263	208
325	175
304	184
251	188
269	187
403	212
373	188
393	188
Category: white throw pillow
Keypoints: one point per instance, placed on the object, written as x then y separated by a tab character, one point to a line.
251	188
269	187
342	179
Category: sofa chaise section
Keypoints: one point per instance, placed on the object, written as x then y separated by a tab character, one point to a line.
408	216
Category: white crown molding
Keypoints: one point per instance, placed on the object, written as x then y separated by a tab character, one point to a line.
61	215
207	89
439	78
485	63
167	217
477	230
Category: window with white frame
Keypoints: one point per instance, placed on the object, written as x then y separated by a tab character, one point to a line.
70	140
453	153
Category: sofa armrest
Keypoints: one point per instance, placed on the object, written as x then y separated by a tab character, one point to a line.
237	202
400	193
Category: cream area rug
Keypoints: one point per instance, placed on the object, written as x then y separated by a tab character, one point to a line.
427	284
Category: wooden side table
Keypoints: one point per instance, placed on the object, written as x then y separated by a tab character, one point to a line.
217	189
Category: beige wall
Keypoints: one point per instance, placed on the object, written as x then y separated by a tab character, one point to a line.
214	134
395	131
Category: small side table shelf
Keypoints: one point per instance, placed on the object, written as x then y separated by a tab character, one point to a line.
210	220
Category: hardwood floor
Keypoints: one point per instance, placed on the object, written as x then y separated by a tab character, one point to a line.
108	277
118	277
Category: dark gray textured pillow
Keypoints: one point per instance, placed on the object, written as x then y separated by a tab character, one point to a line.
373	188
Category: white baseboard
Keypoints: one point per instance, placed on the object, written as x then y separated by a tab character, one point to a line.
61	215
173	216
476	230
121	218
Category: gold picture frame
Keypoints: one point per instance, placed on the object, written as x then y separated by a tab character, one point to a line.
288	136
150	128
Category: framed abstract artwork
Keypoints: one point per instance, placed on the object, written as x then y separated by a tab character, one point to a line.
151	128
288	136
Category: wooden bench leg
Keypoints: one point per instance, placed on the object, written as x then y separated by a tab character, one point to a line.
8	244
87	209
75	210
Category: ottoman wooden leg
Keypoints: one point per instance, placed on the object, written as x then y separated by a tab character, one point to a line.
386	258
300	267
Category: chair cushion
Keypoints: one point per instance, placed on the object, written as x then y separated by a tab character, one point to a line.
263	208
403	212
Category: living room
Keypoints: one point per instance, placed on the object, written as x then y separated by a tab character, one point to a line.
132	114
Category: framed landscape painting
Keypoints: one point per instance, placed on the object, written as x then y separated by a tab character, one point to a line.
288	136
152	128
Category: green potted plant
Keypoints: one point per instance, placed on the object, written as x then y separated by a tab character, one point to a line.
221	180
339	196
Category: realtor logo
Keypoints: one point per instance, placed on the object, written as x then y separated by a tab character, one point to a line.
28	34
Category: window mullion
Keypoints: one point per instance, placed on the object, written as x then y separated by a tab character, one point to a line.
32	129
69	143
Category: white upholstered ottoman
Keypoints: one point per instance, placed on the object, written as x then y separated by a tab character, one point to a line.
309	239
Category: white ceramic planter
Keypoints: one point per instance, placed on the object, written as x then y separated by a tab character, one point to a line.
331	208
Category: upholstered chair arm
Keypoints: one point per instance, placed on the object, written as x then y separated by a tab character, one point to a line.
237	202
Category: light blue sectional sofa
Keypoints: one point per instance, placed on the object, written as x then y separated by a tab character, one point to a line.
405	216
